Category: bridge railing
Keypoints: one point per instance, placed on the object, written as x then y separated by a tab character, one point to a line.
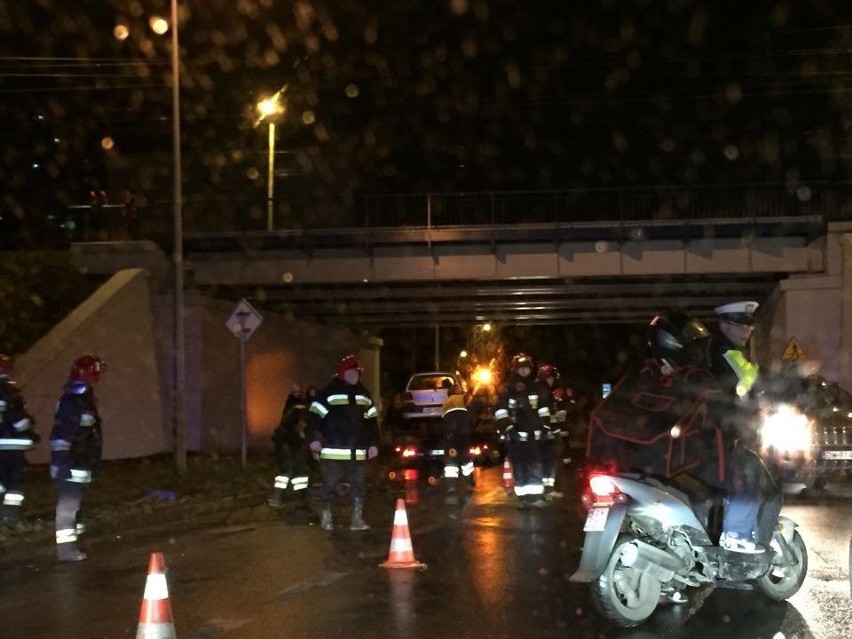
544	207
436	210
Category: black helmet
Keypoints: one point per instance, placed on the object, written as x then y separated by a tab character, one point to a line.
677	338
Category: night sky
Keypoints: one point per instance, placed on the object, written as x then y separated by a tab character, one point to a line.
403	96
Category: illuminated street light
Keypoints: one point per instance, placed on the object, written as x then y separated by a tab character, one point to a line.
486	327
267	109
463	354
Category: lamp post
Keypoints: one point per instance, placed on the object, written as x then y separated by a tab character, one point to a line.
160	26
267	109
177	191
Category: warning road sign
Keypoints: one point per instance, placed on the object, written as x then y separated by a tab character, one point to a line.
244	321
793	352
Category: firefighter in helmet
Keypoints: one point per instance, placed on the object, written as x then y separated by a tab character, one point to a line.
75	451
16	436
523	414
551	442
291	455
455	420
343	431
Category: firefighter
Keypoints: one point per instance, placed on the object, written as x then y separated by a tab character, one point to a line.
16	436
75	445
343	431
523	414
296	396
551	443
455	419
291	455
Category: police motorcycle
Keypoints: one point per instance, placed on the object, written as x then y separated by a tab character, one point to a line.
652	534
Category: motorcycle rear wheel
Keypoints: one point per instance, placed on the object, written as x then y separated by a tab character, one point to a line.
622	594
782	582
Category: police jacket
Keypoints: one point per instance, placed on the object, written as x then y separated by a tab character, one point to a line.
456	419
344	419
76	438
291	431
735	375
15	424
523	412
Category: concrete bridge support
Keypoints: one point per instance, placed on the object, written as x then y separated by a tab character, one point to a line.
815	311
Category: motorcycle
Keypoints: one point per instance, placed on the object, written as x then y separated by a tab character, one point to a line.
645	537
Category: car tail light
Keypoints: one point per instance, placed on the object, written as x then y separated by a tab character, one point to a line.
407	451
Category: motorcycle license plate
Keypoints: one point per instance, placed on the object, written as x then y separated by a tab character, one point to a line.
596	519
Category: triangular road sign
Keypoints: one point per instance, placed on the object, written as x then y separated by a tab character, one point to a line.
793	352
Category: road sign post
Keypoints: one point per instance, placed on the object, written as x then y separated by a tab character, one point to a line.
243	322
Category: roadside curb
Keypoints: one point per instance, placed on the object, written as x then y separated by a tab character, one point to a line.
37	538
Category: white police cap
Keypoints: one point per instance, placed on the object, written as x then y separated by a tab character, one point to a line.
738	312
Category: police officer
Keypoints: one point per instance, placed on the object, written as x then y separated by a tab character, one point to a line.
523	414
551	443
75	445
291	454
455	419
343	431
16	436
754	500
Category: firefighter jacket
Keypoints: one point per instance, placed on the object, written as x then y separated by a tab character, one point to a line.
523	412
291	431
455	419
76	438
15	424
558	412
344	418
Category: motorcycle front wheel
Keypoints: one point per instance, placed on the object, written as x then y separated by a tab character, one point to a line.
622	594
782	582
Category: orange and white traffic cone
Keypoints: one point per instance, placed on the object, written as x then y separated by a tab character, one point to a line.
155	616
401	553
508	475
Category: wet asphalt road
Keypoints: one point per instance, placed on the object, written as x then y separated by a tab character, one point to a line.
492	571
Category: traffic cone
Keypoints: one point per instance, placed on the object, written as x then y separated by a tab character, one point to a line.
401	553
155	616
508	475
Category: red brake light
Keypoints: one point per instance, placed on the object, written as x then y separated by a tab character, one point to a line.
602	486
602	492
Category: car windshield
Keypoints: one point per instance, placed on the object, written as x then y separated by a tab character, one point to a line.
429	382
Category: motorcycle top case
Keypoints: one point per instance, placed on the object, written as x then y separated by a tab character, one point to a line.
634	425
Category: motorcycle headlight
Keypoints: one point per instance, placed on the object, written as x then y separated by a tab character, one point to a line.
786	429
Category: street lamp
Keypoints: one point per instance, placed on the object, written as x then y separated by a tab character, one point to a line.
267	109
160	26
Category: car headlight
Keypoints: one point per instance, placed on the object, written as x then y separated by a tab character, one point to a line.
786	429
